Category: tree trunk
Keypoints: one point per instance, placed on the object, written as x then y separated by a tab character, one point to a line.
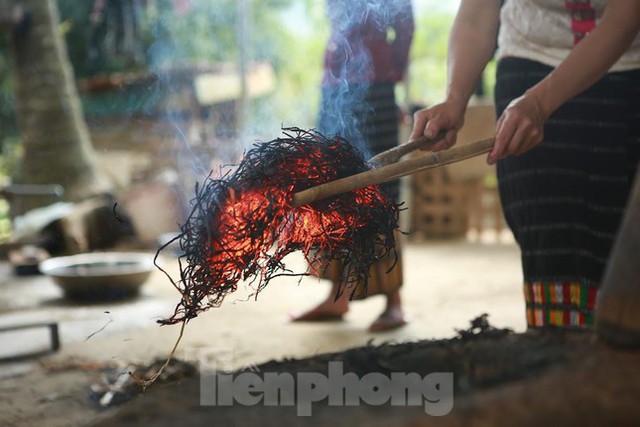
55	138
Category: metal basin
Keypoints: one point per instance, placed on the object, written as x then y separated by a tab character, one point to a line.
100	275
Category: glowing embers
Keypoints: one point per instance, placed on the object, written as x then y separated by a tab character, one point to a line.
242	226
238	234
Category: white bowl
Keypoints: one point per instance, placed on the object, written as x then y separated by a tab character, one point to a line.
100	275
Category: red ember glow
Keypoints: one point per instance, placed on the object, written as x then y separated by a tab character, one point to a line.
243	227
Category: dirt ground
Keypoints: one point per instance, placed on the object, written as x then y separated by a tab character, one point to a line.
446	284
554	377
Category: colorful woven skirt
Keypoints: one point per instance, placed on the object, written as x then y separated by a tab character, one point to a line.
559	303
564	199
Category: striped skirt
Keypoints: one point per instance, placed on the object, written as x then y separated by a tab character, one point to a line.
564	199
366	116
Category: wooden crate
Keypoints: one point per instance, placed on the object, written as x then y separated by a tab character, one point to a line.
438	206
485	210
443	208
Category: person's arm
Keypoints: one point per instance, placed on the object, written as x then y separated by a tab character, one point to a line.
471	45
520	127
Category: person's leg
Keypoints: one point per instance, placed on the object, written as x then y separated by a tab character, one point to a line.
331	308
381	130
392	316
564	198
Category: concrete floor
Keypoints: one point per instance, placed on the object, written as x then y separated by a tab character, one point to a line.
447	283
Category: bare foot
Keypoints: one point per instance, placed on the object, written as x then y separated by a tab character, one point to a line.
326	311
315	315
391	318
330	309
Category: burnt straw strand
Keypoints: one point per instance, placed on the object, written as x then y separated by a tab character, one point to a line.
243	225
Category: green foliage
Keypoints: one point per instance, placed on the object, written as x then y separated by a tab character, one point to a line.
9	156
208	33
428	67
299	66
5	222
428	73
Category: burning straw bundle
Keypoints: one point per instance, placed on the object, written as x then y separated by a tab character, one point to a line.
243	225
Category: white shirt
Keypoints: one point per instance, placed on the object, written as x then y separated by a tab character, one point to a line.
541	30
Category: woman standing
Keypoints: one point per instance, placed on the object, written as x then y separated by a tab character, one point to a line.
567	138
365	57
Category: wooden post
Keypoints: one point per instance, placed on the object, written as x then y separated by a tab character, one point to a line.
618	304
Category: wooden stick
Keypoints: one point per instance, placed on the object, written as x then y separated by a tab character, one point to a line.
394	154
618	304
392	171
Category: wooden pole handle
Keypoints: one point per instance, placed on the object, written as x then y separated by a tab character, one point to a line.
394	154
392	171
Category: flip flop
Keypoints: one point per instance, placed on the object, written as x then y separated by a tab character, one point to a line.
384	323
315	315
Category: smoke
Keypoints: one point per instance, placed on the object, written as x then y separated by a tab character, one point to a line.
216	40
357	27
186	45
